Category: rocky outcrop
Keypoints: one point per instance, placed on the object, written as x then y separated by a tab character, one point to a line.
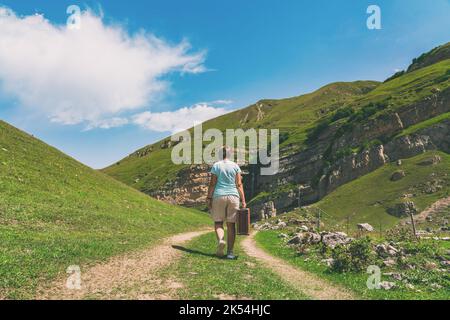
403	209
189	188
307	176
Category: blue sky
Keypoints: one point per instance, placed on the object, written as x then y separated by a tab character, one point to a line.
249	50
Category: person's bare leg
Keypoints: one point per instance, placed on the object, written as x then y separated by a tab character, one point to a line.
220	234
231	236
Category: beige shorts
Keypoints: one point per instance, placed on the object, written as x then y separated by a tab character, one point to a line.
225	209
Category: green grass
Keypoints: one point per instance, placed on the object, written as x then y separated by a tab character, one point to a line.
410	87
368	198
357	282
205	276
56	212
425	124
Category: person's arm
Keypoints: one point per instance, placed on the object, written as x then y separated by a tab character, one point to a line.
211	188
240	188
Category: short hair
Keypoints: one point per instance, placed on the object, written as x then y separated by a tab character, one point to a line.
225	152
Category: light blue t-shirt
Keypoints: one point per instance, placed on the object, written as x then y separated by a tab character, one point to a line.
226	171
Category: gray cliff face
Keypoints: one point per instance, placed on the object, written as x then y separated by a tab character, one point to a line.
307	176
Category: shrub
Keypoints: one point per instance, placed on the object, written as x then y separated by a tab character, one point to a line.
361	253
400	234
427	248
355	257
283	137
342	113
314	133
341	259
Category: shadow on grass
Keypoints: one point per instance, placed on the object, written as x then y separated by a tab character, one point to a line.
192	251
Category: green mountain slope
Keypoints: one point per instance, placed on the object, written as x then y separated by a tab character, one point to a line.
318	130
369	198
151	167
56	212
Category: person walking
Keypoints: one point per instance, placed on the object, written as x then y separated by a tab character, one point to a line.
225	193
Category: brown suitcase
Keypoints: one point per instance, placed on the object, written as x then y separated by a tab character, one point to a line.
243	221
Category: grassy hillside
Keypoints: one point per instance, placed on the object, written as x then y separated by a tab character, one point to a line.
151	167
368	198
56	212
299	118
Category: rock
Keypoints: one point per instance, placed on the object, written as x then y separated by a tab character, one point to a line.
329	262
436	286
166	144
384	250
403	209
297	239
303	228
396	276
433	186
399	162
264	226
294	221
305	238
282	224
313	238
283	236
445	263
431	161
365	227
430	265
398	175
268	210
389	263
409	286
332	239
386	285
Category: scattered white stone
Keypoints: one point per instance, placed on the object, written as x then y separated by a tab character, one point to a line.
389	262
329	262
386	285
410	286
436	286
282	224
365	227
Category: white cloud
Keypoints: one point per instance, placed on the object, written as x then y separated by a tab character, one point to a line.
179	120
107	123
89	75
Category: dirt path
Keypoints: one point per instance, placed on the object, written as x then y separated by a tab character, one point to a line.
306	282
130	276
435	207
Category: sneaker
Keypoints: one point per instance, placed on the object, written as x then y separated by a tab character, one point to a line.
231	256
220	249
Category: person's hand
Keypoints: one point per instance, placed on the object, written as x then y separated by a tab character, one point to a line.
244	204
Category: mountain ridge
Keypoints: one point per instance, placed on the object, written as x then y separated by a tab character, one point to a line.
322	133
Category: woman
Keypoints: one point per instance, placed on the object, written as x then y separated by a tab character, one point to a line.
224	192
